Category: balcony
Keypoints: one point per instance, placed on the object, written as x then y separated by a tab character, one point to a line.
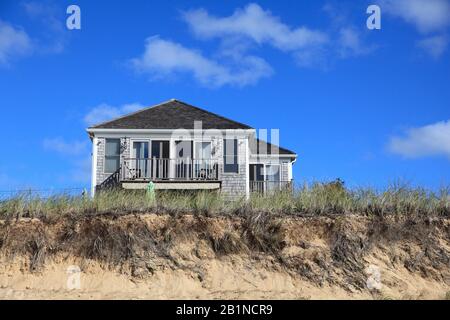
158	169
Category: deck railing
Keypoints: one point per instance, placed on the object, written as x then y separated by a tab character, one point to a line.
267	186
169	169
111	182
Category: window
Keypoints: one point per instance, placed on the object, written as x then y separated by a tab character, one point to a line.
112	155
273	172
230	156
257	172
203	150
183	149
272	177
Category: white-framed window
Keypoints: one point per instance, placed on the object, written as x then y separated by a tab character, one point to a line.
230	156
112	155
202	150
273	172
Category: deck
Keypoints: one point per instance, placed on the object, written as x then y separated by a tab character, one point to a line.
172	185
166	174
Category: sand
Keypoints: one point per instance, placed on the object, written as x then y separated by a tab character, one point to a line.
309	271
228	278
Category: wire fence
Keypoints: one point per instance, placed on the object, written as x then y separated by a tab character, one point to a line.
42	193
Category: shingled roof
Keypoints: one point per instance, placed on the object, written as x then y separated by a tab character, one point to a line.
261	147
173	114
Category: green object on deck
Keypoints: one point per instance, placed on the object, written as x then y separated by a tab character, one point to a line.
151	191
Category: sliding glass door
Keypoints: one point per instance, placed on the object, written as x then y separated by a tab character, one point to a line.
183	159
140	156
257	178
203	166
272	177
160	159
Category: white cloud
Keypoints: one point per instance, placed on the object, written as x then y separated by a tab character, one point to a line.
426	15
429	17
65	148
76	154
435	46
254	23
53	36
433	139
14	42
314	58
105	112
48	34
350	43
245	30
163	58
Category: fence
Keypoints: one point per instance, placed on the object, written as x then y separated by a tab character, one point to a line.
42	193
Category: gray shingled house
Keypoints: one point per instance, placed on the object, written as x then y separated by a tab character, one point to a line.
181	147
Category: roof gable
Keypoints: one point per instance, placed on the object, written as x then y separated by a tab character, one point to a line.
261	147
173	114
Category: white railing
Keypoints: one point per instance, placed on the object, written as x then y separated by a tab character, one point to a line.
169	169
269	186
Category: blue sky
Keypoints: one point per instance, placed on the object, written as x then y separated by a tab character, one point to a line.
368	106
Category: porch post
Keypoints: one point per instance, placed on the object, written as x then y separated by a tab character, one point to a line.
94	166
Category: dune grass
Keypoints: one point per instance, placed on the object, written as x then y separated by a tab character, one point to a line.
315	199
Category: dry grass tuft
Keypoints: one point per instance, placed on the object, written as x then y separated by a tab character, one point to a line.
110	228
316	199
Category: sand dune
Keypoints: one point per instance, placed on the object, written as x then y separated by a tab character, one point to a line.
312	263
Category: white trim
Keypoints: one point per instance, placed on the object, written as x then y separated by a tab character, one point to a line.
213	185
273	155
247	166
230	131
289	168
94	166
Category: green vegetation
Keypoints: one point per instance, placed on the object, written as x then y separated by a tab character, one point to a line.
447	296
408	225
316	199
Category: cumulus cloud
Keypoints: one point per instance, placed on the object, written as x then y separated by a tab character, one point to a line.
53	36
350	41
246	30
105	112
435	46
63	147
77	155
162	58
426	15
430	140
14	42
232	63
429	17
256	24
351	44
48	33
